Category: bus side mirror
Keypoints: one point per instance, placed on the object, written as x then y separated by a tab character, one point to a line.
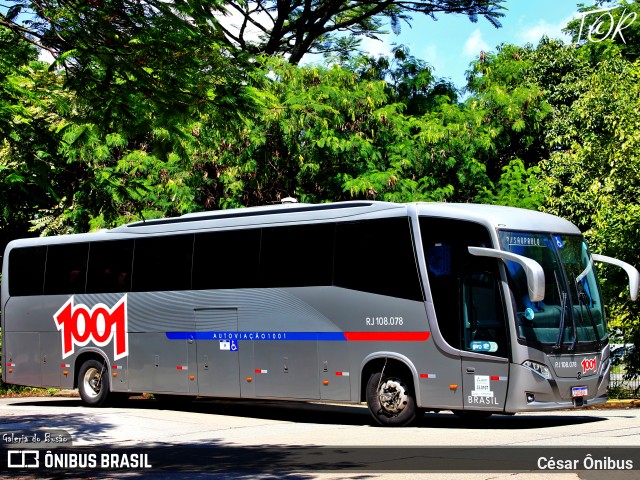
632	273
532	269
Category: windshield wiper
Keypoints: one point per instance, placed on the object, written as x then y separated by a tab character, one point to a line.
582	295
575	328
563	309
563	312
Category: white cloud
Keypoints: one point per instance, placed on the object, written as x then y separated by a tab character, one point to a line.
368	46
431	55
474	44
533	33
45	56
376	48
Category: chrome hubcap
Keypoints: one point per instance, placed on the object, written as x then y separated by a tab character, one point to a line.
393	395
92	382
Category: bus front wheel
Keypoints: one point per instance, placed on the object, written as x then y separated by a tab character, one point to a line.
391	400
93	383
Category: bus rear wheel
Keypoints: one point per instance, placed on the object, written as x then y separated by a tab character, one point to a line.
391	400
93	383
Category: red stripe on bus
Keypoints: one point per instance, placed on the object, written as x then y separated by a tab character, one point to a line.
387	336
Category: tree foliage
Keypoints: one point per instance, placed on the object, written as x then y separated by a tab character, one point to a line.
345	133
31	101
295	27
152	33
113	49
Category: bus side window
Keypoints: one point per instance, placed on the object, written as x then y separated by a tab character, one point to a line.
110	266
482	313
26	271
162	263
377	256
226	259
444	291
298	256
66	270
465	291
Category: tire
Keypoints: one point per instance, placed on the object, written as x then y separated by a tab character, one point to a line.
391	400
93	384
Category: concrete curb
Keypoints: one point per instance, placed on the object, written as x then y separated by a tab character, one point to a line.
67	393
621	404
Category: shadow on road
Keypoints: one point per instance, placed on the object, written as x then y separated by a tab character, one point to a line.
80	425
218	459
301	412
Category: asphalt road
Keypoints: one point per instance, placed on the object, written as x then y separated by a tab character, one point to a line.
264	434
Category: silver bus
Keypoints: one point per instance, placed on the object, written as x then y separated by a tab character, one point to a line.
408	307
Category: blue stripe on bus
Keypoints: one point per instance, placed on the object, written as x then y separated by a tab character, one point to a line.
321	336
367	336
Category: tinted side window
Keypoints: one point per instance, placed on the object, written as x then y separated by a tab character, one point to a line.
162	263
26	271
110	266
66	269
298	256
377	256
226	259
465	289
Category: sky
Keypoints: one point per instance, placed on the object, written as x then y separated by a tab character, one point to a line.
453	41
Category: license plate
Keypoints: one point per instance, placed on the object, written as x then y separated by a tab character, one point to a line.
579	392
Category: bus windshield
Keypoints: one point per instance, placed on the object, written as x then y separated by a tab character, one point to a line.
570	318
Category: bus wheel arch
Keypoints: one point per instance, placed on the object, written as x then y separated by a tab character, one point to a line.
93	379
388	387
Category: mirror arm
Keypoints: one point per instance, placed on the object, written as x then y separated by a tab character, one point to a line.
632	273
532	269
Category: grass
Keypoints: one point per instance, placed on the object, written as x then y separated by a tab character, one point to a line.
12	391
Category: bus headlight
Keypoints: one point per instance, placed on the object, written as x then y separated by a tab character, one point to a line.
538	368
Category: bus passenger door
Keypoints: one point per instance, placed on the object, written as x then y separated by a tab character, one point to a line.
217	352
485	370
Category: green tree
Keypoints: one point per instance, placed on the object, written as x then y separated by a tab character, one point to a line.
137	77
335	133
295	27
31	102
410	81
128	28
170	53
